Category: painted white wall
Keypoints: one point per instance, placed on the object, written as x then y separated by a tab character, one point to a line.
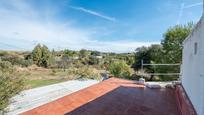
193	67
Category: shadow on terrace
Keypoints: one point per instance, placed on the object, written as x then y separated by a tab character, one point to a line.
127	100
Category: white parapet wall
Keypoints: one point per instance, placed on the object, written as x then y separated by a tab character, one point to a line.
193	67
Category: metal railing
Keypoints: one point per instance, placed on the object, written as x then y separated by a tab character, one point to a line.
159	74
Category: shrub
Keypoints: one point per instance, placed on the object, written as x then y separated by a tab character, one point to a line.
54	71
10	85
18	61
85	72
120	69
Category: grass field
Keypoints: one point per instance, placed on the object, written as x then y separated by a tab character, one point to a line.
38	77
39	83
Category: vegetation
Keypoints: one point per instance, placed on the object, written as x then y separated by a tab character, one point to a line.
36	55
172	43
169	51
18	61
40	82
43	67
41	56
10	84
85	72
120	69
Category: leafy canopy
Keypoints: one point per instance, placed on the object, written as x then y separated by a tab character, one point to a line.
172	42
120	69
41	55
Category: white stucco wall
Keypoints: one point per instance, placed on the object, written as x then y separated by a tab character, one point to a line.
193	67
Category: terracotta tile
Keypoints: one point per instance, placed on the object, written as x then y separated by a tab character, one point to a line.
113	97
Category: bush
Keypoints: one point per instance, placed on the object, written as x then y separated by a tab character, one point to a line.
85	72
54	71
120	69
18	61
10	85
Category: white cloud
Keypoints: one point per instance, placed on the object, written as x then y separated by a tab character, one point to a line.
93	13
117	46
21	29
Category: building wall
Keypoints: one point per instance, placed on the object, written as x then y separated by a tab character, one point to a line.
193	67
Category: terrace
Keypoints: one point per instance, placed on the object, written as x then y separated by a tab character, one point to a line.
118	96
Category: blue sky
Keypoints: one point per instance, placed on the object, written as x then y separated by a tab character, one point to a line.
104	25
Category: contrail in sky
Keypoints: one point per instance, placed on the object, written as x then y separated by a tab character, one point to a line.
180	13
193	5
183	6
93	13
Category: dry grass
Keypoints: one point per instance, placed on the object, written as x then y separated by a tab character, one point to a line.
36	76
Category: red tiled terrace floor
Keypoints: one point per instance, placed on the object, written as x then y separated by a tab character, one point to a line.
113	97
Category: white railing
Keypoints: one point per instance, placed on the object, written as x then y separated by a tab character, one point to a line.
159	74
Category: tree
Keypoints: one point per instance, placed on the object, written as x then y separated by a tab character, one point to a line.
142	53
68	53
93	60
65	61
156	56
129	59
120	69
41	56
95	53
45	57
172	43
156	53
170	51
149	55
84	53
37	54
10	84
84	56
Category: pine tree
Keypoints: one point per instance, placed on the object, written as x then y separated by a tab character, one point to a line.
41	55
46	55
37	54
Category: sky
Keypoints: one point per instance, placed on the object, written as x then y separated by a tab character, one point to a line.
103	25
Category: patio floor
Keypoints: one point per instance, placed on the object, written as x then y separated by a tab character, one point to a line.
113	97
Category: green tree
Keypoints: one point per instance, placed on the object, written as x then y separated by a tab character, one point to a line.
95	53
129	59
68	53
41	56
10	84
37	54
149	55
65	62
156	56
84	53
156	53
142	53
120	69
172	43
94	61
170	51
45	57
84	56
